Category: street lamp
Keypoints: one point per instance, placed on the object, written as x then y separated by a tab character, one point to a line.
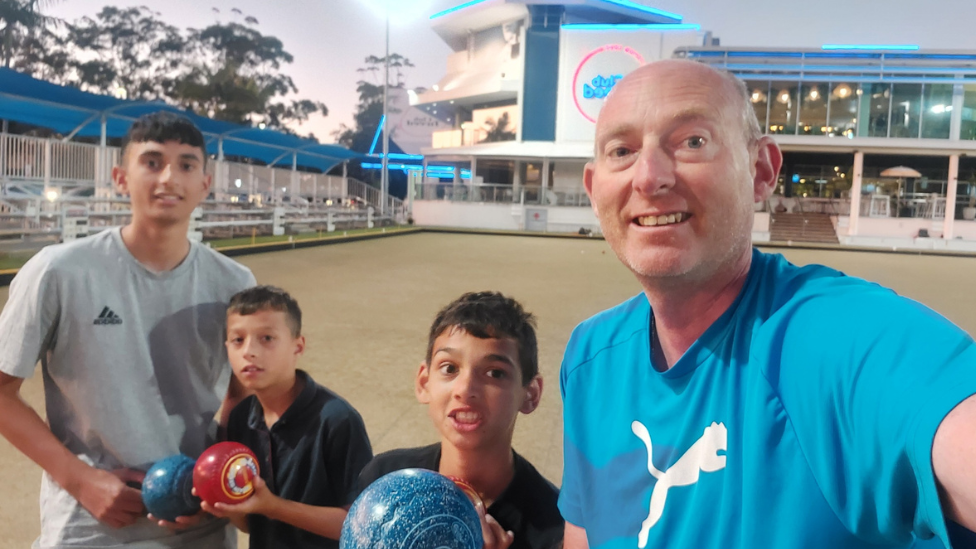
402	11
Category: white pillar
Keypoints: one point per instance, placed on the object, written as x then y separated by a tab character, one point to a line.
952	187
474	168
517	178
856	193
955	120
345	179
545	182
295	189
220	181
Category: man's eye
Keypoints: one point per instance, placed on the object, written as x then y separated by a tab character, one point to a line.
267	338
449	368
497	373
619	152
696	142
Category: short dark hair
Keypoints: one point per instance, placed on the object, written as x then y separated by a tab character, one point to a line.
163	126
267	298
491	315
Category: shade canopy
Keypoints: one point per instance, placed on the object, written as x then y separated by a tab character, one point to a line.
72	112
901	171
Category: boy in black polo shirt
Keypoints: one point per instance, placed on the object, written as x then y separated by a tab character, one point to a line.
311	444
481	371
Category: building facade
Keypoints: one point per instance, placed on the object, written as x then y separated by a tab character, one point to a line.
527	79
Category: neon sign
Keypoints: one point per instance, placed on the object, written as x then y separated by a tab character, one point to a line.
601	86
591	83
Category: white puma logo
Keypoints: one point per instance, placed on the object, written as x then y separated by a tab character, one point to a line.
702	456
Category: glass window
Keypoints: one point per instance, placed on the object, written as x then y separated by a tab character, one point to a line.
843	109
906	110
782	109
968	127
878	99
759	96
813	109
936	111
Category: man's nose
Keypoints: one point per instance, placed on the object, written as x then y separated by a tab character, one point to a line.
655	171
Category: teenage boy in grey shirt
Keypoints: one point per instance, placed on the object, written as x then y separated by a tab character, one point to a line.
128	326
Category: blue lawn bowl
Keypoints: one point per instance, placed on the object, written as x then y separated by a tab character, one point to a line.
167	488
412	509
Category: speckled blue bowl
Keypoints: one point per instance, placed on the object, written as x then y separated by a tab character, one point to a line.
166	490
412	509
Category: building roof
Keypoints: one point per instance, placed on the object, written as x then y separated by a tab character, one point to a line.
852	64
454	24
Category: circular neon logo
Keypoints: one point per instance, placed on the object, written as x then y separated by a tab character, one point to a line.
598	73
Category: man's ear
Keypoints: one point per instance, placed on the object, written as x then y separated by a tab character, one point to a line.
300	345
533	394
588	185
769	159
420	385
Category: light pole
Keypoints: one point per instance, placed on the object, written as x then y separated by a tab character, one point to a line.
385	175
403	11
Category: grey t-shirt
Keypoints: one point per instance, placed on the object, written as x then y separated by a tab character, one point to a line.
134	369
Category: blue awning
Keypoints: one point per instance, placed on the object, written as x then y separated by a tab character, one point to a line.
70	111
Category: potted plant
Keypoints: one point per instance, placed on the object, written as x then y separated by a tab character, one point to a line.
969	212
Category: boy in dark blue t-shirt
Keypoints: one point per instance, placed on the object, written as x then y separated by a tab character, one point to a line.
311	444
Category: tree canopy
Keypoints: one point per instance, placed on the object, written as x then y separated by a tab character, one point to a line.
228	70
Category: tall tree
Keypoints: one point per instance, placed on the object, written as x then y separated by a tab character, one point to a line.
27	36
129	52
369	110
229	71
236	76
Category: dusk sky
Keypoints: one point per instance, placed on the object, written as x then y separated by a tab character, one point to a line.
330	38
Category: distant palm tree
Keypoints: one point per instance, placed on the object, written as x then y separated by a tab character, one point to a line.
19	18
498	131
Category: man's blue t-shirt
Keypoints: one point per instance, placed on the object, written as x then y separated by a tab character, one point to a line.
803	417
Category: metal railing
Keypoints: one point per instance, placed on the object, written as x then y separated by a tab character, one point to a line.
500	194
31	166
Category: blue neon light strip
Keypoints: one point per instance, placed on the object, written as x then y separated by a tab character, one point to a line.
377	136
434	171
869	47
456	8
627	27
645	9
401	156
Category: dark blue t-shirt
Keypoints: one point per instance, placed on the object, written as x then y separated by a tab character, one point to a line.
803	417
313	454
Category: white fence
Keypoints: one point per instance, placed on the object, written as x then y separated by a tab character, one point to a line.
35	166
501	194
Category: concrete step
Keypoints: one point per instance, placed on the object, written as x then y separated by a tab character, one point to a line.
785	227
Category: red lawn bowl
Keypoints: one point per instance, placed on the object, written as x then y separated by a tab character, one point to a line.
225	473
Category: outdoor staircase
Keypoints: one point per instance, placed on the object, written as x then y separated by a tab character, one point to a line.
802	227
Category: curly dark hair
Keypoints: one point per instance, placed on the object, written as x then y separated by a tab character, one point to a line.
491	315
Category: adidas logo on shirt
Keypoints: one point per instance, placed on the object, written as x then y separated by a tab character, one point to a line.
107	317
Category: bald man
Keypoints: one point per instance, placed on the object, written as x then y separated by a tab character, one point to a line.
741	401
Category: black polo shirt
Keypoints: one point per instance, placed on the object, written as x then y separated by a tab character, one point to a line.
313	454
527	507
